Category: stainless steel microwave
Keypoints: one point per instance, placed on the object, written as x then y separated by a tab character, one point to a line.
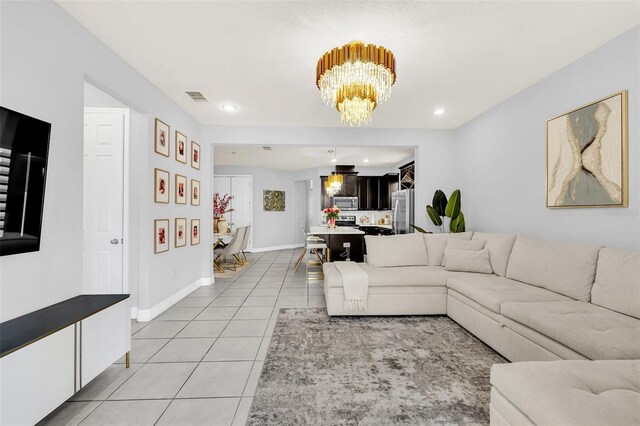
346	203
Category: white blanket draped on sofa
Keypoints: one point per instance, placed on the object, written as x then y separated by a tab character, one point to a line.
355	283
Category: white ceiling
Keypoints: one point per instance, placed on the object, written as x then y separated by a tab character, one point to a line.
292	158
463	56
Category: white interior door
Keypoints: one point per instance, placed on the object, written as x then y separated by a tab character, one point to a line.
241	203
103	202
241	189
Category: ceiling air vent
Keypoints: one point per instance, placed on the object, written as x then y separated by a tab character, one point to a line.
196	96
266	148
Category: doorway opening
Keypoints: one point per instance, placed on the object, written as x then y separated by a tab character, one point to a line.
106	143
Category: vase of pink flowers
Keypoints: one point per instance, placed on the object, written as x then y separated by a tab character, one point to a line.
332	214
220	207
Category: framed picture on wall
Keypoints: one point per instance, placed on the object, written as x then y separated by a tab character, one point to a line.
587	155
181	189
180	232
160	186
195	155
195	231
273	201
162	138
160	235
181	147
195	192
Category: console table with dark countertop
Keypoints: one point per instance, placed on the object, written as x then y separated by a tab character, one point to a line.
26	329
48	355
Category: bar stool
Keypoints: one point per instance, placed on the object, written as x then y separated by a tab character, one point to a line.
314	261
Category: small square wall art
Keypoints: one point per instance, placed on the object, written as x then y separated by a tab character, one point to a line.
587	155
162	138
181	189
160	235
195	231
195	155
180	232
161	186
195	192
273	201
181	147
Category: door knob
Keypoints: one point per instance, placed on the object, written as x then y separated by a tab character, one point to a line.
114	241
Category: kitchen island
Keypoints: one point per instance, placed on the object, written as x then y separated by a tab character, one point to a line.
336	239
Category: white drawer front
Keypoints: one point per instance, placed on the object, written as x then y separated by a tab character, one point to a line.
36	379
106	336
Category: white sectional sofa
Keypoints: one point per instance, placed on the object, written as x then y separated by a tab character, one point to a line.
543	301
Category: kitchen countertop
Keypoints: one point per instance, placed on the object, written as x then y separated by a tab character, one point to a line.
373	225
316	230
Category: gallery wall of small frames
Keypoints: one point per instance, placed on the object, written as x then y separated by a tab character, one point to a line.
186	190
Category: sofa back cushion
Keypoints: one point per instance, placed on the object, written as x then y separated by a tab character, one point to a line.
617	285
396	250
564	268
436	243
499	246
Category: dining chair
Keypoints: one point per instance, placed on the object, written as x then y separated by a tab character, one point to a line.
245	242
234	249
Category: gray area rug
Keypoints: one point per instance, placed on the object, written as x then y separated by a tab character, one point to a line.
416	370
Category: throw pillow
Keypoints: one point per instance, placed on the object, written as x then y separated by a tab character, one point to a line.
468	261
457	244
436	244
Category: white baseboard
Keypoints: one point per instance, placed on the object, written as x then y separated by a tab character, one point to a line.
284	247
134	312
145	315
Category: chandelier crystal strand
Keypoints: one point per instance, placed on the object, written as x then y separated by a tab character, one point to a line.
354	79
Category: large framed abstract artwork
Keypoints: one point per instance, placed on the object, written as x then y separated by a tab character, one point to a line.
587	155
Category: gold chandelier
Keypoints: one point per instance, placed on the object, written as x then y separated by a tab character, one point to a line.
334	182
355	78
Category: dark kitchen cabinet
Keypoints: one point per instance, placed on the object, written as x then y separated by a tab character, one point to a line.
349	186
363	193
389	184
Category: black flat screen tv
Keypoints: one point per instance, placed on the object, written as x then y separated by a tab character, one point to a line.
24	149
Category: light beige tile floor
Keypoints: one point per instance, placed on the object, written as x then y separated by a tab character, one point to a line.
200	361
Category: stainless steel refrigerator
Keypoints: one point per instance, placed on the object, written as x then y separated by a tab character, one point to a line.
402	203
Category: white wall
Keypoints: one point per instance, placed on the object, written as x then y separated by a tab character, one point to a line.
502	153
270	229
46	57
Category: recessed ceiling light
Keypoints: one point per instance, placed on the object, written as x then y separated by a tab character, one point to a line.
229	107
366	160
439	111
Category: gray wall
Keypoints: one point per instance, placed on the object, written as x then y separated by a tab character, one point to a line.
46	58
502	153
270	229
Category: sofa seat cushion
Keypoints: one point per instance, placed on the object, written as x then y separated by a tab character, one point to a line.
572	392
492	291
590	330
399	276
